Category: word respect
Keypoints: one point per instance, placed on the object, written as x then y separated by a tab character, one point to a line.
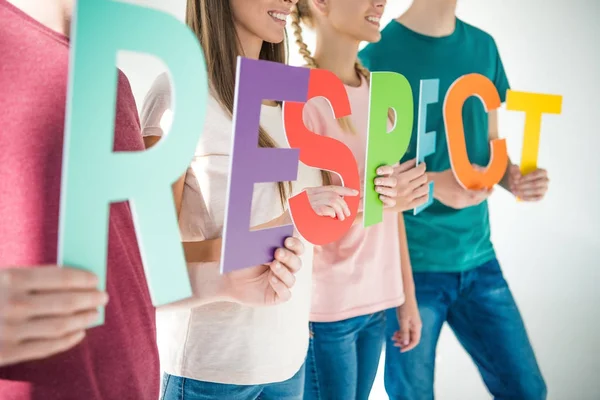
94	176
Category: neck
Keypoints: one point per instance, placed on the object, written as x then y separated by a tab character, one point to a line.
338	54
51	13
250	44
436	18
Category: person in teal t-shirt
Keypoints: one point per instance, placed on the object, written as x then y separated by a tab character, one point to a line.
457	276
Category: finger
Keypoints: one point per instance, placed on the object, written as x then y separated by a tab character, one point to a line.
419	201
406	178
534	193
344	206
281	292
338	208
48	278
531	198
421	191
294	245
325	211
535	175
54	304
407	165
386	191
397	339
289	260
38	349
385	170
531	185
415	338
418	182
404	337
53	327
283	274
341	190
388	201
530	193
416	172
387	181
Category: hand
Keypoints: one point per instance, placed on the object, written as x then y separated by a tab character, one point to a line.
386	184
267	284
329	200
45	311
530	187
409	319
413	188
451	193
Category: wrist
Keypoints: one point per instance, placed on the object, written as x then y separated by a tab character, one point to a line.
209	285
434	177
409	290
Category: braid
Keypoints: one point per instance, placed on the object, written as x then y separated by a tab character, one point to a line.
362	70
302	12
302	47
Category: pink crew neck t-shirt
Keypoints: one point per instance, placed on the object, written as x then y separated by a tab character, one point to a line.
359	274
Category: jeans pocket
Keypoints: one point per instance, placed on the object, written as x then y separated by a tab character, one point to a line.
164	384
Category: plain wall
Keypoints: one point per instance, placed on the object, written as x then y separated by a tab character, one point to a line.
550	251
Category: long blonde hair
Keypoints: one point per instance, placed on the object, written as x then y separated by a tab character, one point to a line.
213	23
302	14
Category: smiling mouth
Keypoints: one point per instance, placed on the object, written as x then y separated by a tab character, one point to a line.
373	20
278	16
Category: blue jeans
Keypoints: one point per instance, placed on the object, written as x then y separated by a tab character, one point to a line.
178	388
480	309
343	358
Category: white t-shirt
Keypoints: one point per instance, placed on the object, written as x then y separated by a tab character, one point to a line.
227	342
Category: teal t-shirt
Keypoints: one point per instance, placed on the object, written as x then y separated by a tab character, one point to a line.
440	238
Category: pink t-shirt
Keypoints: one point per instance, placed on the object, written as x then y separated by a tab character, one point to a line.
359	274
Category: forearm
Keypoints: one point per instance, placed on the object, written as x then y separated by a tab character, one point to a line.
405	265
208	286
433	177
210	250
203	251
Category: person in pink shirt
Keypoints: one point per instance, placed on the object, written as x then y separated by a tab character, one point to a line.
368	271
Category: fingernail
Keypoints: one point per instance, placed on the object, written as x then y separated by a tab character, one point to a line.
405	343
277	265
289	242
380	171
274	279
378	189
279	253
378	181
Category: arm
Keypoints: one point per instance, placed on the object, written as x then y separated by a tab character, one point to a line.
405	265
200	251
409	319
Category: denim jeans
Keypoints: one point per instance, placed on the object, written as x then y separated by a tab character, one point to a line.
480	309
343	358
178	388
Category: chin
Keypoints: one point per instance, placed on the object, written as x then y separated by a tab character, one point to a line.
274	37
373	37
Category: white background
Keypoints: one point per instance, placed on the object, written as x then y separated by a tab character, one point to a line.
550	251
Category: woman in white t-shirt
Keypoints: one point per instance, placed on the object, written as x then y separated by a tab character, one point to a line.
229	350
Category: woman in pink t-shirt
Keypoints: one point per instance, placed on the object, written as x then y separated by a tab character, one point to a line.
368	271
